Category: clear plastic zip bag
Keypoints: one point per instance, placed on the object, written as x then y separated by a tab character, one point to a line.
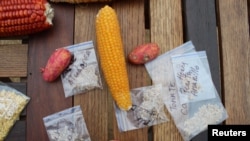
83	73
12	103
161	72
160	69
67	125
204	108
147	109
186	116
193	81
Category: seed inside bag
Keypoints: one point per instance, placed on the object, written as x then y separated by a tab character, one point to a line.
147	109
191	98
150	109
82	73
12	103
207	114
67	125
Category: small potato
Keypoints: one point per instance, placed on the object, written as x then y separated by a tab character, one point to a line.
144	53
58	61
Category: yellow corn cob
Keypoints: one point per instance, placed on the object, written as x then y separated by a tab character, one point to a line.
80	1
112	58
23	17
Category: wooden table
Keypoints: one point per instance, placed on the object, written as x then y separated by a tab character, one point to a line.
220	27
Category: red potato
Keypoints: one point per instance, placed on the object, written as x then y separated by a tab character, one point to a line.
58	61
144	53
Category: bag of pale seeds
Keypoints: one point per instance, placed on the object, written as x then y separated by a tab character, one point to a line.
82	74
147	109
67	125
195	88
161	72
12	103
191	115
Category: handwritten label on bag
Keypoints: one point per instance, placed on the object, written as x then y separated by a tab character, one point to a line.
193	81
147	109
83	73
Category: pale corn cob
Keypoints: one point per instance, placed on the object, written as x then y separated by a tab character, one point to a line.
112	58
80	1
23	17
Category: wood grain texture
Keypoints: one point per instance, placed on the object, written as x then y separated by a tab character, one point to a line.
94	103
166	30
47	98
200	28
8	42
13	60
235	47
131	17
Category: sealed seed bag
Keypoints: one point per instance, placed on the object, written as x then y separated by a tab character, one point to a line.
147	109
67	125
82	74
158	68
192	79
161	72
12	103
190	118
202	110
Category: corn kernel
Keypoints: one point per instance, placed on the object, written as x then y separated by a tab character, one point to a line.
22	17
112	58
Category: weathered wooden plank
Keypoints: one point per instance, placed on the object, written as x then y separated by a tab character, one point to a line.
166	30
248	7
131	18
47	98
13	60
18	132
7	42
235	47
95	102
203	34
